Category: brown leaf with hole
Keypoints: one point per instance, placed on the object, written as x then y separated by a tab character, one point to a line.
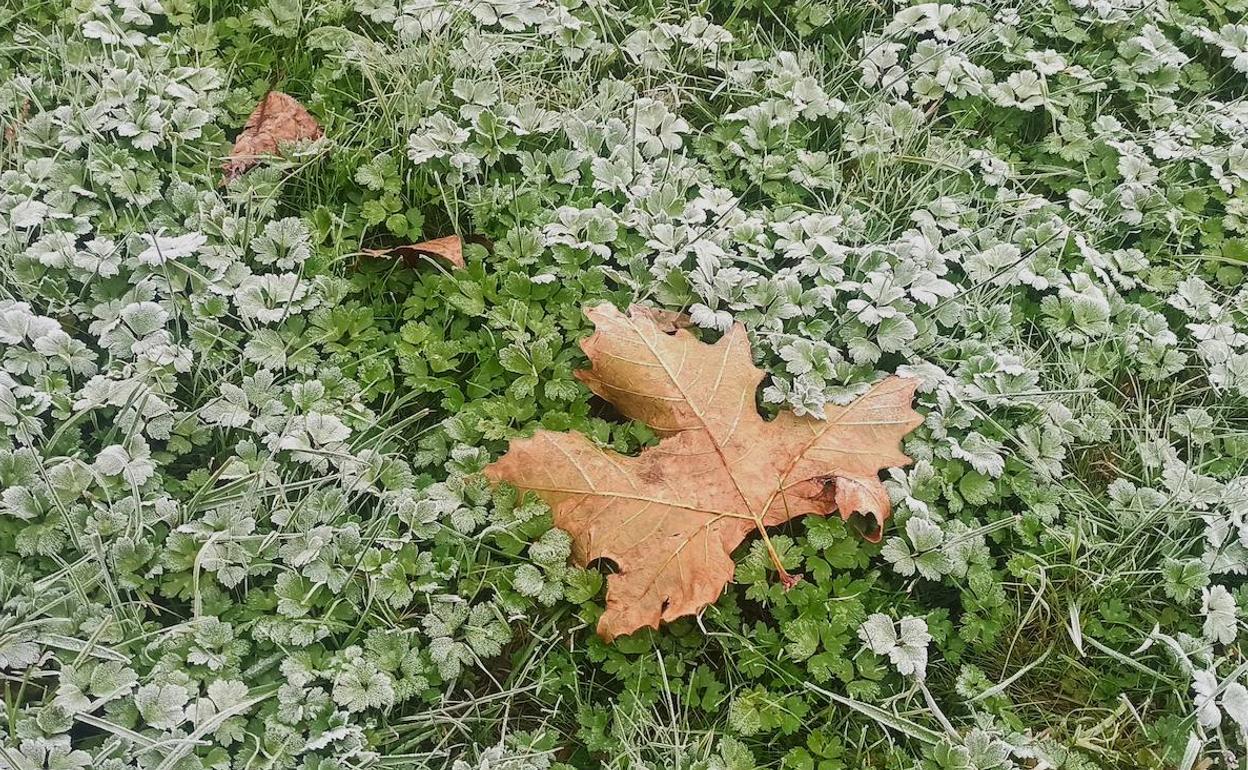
671	516
11	129
449	249
667	321
276	121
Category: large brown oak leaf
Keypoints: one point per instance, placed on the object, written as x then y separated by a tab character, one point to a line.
671	516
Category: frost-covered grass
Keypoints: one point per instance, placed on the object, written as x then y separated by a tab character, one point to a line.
242	521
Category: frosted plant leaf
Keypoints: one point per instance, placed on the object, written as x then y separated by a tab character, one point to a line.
449	656
54	753
14	319
437	136
929	289
267	349
732	754
163	248
111	680
907	650
983	454
1194	424
70	697
271	298
899	554
28	214
910	656
924	534
552	549
17	653
1218	607
719	320
485	632
1000	264
131	461
144	318
1182	578
1155	453
1233	40
961	549
1204	687
528	580
894	334
1023	90
232	409
1153	51
377	11
879	633
986	751
227	693
23	503
802	356
65	352
421	18
1235	703
658	130
285	243
931	377
1193	297
361	686
1047	62
881	66
111	460
927	557
162	705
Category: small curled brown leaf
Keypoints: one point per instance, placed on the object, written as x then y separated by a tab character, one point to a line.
449	250
277	120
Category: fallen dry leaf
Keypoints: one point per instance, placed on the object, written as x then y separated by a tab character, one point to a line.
670	517
277	120
449	249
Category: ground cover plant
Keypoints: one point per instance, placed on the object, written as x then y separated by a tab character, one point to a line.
245	520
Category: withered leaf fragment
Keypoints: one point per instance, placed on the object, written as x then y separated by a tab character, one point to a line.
671	516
